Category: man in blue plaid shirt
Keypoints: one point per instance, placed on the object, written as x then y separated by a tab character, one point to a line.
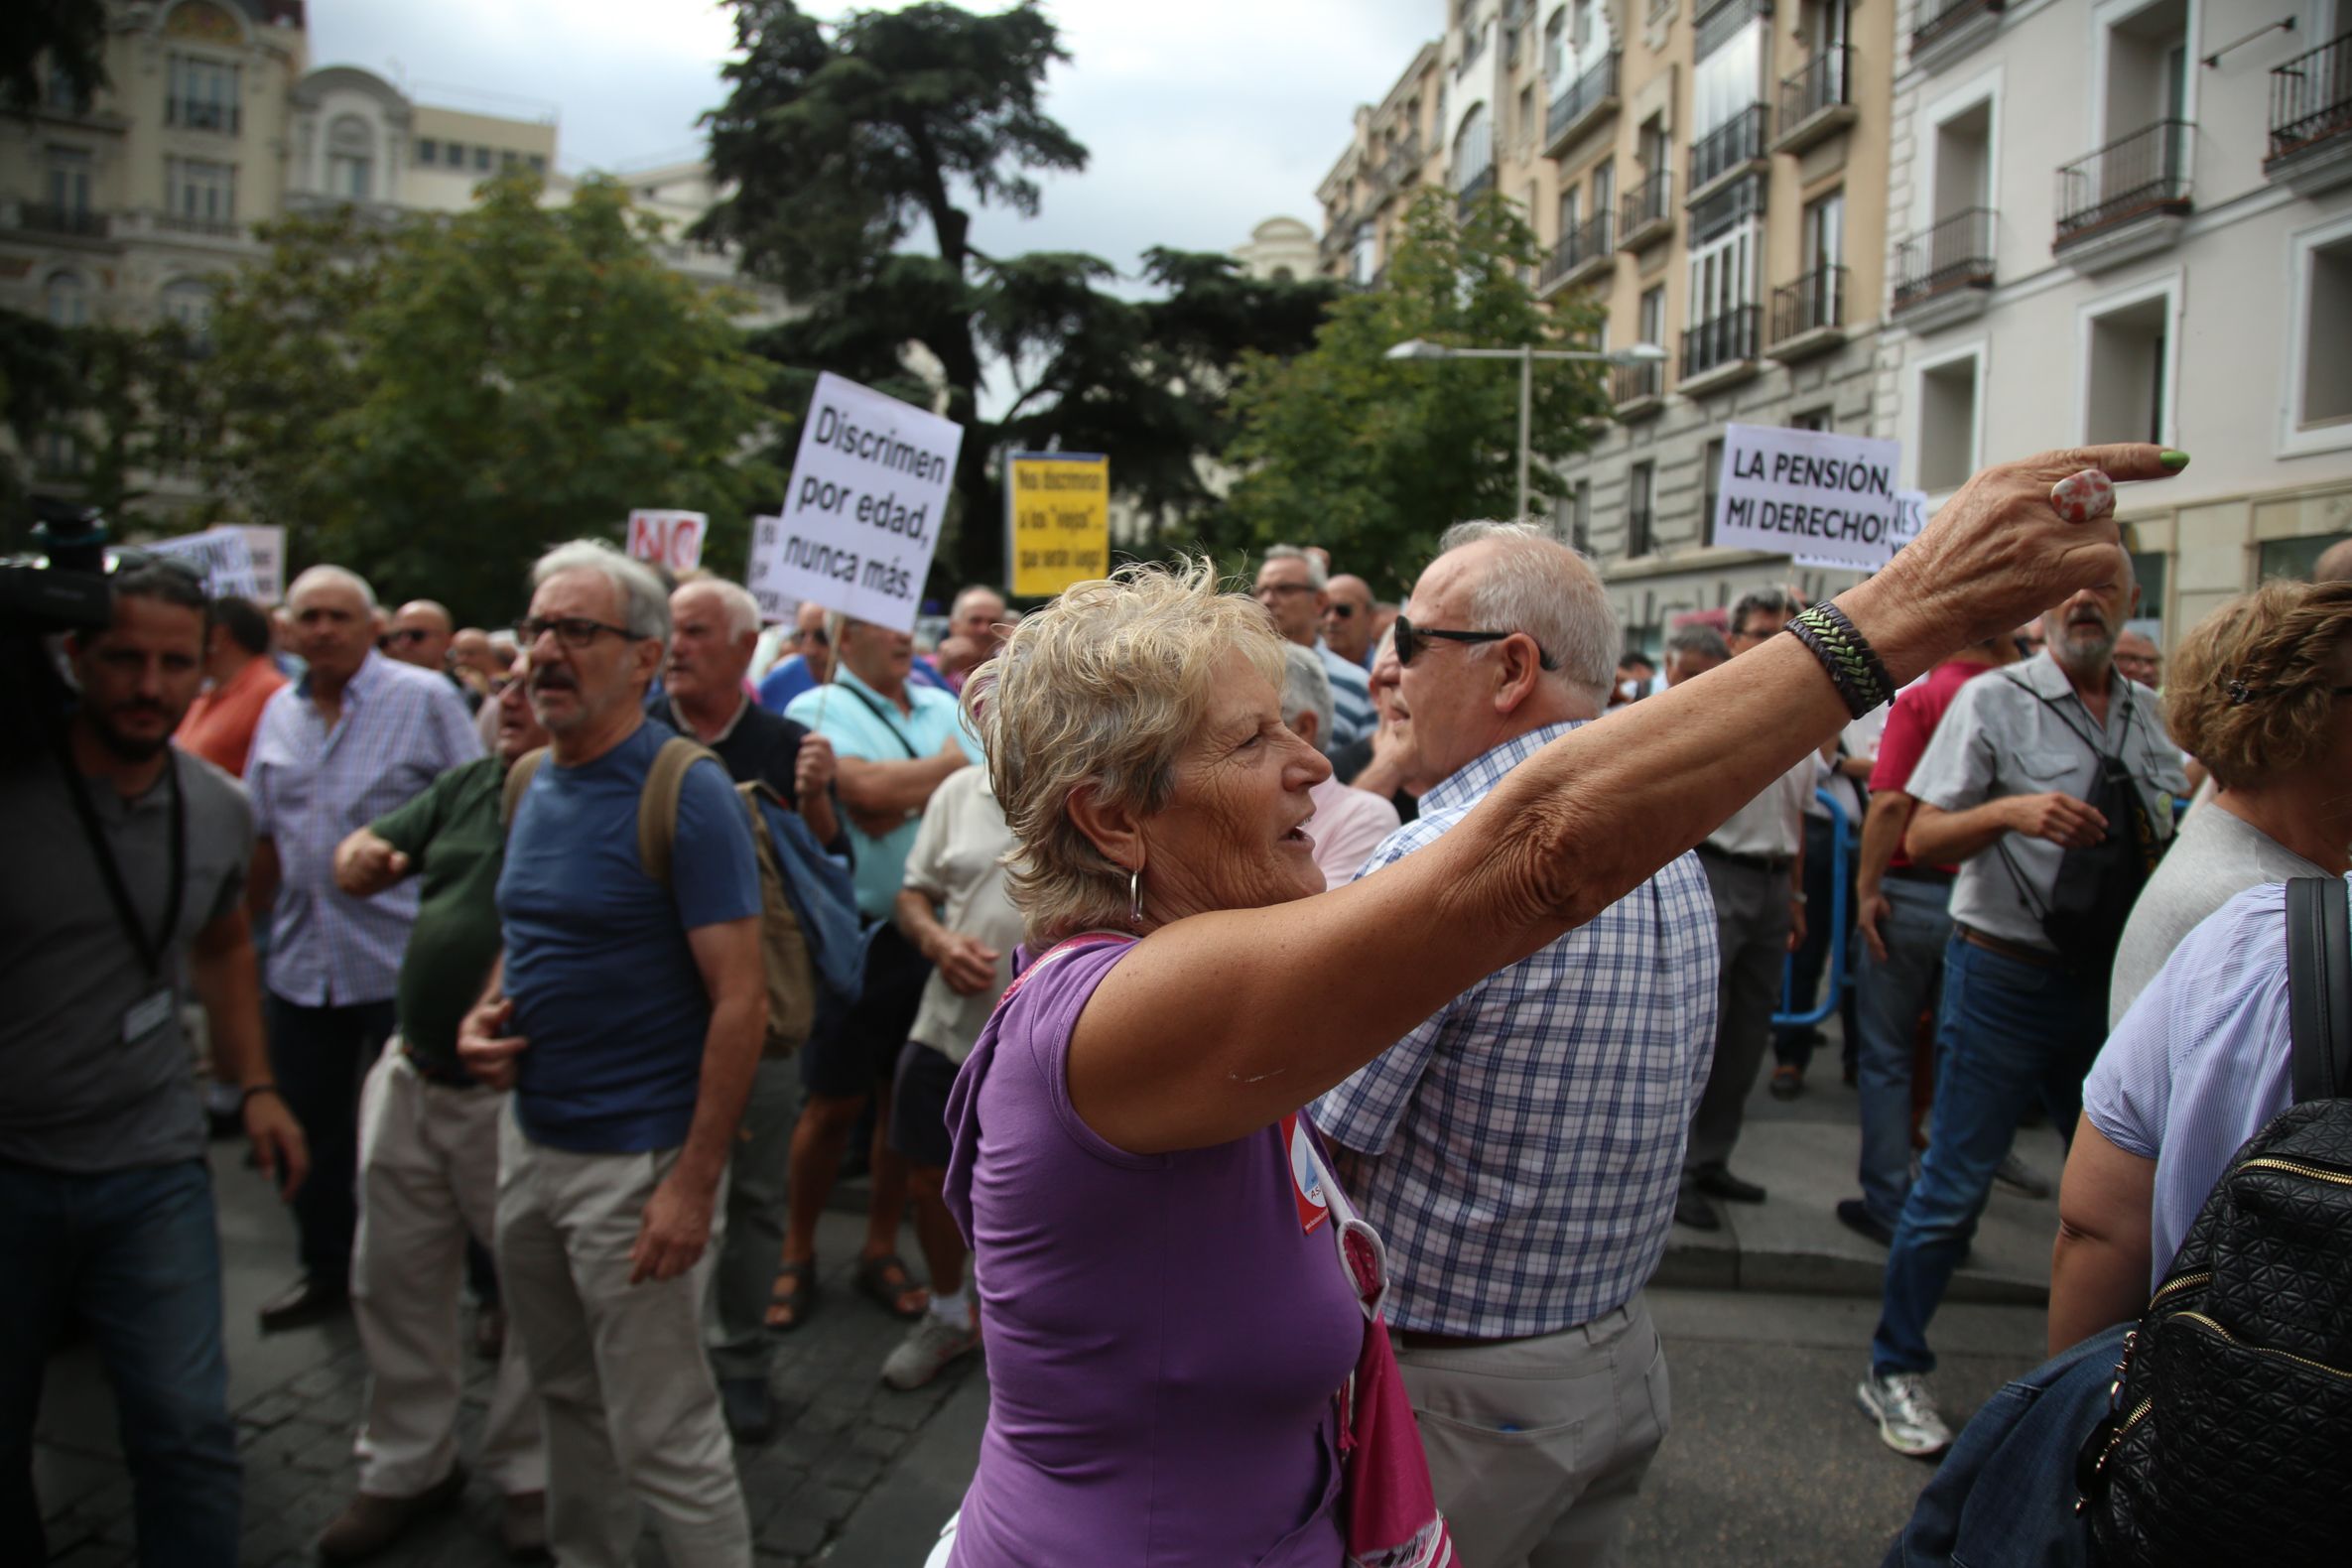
1520	1150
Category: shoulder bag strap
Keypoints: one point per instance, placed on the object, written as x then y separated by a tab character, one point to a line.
518	779
2319	988
876	709
657	806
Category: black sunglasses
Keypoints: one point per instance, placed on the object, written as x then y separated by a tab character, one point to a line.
1410	643
574	631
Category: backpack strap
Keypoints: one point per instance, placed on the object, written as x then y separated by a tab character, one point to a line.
518	779
657	806
2319	988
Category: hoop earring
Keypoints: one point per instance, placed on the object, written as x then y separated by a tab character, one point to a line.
1135	900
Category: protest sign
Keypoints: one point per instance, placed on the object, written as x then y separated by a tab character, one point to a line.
227	564
670	539
1911	515
863	512
265	545
1058	520
1830	499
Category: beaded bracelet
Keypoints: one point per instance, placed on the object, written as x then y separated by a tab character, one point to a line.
1853	666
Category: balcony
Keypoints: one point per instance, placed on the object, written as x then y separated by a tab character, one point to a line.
1474	44
1816	102
1583	252
1945	30
1478	184
1944	274
202	114
69	222
1733	148
1339	232
2124	200
1716	353
1809	315
1637	391
1641	537
1402	166
1647	213
2310	148
1581	106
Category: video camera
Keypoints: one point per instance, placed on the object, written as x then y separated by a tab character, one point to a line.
61	589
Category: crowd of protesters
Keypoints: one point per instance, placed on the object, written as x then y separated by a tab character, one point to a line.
483	936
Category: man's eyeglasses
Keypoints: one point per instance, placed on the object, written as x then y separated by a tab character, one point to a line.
1411	641
1282	589
1342	611
573	631
407	634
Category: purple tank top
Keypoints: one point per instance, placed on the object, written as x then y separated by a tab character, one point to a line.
1163	1338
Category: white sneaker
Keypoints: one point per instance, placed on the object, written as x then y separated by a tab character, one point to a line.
1906	1412
2019	1177
927	1349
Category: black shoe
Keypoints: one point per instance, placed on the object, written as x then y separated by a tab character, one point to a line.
750	1413
1856	1217
1694	1211
308	1299
1717	1182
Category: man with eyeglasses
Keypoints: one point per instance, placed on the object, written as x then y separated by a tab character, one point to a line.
423	633
628	1017
1347	619
806	668
1292	585
1520	1150
357	735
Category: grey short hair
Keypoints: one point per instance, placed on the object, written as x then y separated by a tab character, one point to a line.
1318	579
645	604
1700	638
1306	689
1541	586
343	576
743	611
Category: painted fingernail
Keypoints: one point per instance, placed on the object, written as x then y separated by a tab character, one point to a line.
2079	497
2172	459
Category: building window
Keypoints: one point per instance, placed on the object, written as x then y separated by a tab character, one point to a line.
1653	317
2148	569
1580	516
1710	487
2146	69
538	163
1570	211
2127	370
351	159
1473	148
67	298
1947	422
1641	525
2324	393
202	96
508	162
1825	232
1964	160
2297	558
1530	118
189	303
426	149
1814	419
69	181
481	159
198	191
1604	189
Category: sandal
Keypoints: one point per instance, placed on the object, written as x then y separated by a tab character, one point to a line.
789	1309
885	1281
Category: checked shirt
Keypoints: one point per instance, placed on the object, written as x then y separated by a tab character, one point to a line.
1519	1151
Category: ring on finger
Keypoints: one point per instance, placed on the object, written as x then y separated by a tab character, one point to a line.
2083	498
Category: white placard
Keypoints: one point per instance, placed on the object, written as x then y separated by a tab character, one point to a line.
672	539
221	552
1911	515
1827	500
861	515
265	543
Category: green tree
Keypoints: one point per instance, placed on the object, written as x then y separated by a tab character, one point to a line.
1374	457
70	34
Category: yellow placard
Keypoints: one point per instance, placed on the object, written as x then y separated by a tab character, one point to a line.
1059	520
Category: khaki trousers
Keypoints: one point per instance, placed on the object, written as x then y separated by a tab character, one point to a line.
632	1413
428	1179
1538	1446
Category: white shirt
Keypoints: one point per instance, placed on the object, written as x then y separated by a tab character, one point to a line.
958	863
1772	824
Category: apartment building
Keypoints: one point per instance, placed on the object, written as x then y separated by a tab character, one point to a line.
1395	149
1712	172
2132	220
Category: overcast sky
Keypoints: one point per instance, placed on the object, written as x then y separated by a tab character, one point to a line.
1202	118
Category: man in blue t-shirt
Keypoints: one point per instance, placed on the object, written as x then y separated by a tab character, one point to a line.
628	1017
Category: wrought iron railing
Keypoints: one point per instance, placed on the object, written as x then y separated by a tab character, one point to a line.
1403	162
1958	250
1651	201
1823	85
1585	242
1578	98
1641	523
1741	140
48	217
188	224
1478	184
1935	18
1727	340
1817	299
202	114
2144	171
2311	98
1474	44
1635	382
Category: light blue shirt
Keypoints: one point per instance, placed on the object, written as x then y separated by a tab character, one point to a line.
862	723
1352	715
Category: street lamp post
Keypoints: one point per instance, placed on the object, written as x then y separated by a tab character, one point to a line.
1526	355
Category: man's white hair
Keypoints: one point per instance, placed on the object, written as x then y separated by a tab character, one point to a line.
743	611
1306	689
645	604
1317	577
1536	585
344	576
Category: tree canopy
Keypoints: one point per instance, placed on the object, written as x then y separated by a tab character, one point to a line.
1374	457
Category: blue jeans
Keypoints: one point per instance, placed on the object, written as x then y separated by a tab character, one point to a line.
136	1255
2009	1032
1890	998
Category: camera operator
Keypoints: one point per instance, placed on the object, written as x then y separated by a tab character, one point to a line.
126	868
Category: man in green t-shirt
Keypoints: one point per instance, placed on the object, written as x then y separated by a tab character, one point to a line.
429	1167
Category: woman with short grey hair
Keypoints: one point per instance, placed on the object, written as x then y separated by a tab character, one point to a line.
1167	1323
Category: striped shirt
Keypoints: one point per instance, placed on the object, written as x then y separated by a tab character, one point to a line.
400	727
1519	1151
1351	716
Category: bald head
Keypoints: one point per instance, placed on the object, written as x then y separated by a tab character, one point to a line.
2334	564
420	634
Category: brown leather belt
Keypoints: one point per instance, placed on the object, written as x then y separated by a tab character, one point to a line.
2009	949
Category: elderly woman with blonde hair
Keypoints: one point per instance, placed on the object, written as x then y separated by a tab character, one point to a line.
1168	1323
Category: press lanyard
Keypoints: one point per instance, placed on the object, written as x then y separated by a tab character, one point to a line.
151	951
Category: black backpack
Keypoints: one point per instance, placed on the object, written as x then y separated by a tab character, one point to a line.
2231	1406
